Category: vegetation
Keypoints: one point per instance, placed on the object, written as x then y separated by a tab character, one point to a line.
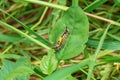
59	40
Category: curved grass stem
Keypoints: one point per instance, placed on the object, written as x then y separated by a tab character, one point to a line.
24	34
64	8
93	60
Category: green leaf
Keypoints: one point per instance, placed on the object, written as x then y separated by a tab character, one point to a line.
63	73
13	56
9	38
21	1
13	38
70	78
21	70
76	21
108	44
25	27
49	62
94	5
117	1
111	59
38	37
24	34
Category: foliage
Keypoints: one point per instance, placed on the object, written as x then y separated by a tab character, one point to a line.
18	70
77	23
49	63
59	40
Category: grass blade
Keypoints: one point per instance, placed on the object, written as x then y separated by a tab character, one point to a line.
108	44
94	5
91	66
27	29
24	34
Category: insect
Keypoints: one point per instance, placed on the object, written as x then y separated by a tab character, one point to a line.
62	39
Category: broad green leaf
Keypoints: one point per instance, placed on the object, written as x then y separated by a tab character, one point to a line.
49	63
77	23
63	73
16	70
110	45
94	5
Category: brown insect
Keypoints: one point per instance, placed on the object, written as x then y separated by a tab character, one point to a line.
62	39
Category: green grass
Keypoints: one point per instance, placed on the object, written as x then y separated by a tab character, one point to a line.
30	29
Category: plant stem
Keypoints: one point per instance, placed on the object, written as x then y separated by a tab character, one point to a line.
91	65
47	4
114	36
65	8
41	18
7	49
24	34
74	2
103	19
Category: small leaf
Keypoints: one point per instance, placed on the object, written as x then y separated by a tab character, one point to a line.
11	71
49	63
63	73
